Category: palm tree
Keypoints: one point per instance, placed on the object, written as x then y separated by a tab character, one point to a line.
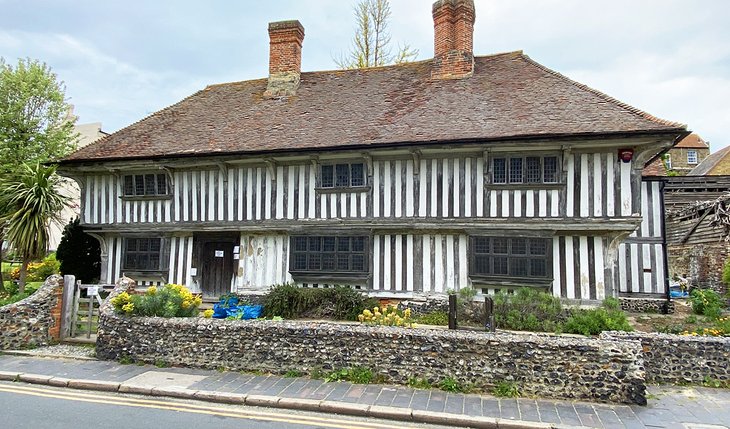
32	200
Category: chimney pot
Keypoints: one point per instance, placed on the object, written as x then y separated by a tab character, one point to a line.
285	58
453	22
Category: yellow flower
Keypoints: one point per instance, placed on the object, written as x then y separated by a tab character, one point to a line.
152	290
208	313
186	304
128	307
407	313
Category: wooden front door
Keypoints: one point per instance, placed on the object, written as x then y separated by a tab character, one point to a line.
216	263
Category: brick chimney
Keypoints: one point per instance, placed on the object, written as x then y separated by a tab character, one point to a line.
453	44
285	58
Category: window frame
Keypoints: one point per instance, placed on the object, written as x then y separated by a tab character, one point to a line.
525	160
508	278
145	195
365	186
334	272
162	255
696	157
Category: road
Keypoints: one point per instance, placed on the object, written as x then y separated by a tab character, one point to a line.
29	406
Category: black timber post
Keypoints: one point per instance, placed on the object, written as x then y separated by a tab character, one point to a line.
489	314
452	311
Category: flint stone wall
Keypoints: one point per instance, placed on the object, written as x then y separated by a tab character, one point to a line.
559	367
680	359
646	305
29	322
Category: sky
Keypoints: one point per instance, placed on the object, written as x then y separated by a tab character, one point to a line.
123	60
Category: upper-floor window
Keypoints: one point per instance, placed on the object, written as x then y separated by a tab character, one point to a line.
691	157
526	258
138	185
143	254
342	175
329	254
525	169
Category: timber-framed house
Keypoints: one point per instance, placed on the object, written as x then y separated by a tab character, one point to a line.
490	172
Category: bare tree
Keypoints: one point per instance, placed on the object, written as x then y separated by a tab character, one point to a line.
371	43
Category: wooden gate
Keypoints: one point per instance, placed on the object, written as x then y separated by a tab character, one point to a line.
85	312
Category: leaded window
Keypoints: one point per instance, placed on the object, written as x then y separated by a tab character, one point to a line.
512	257
143	254
329	254
137	185
525	169
342	175
691	157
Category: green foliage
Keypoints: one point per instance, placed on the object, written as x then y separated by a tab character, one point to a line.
706	302
506	389
449	384
596	320
726	273
125	360
79	253
467	294
29	202
35	126
419	383
317	373
528	309
436	317
169	301
40	271
161	364
292	373
12	295
358	375
708	381
292	302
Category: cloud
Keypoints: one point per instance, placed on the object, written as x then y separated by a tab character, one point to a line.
101	87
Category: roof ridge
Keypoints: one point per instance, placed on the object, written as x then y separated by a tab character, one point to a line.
636	111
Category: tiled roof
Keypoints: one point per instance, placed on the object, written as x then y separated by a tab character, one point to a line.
692	141
716	164
655	168
508	96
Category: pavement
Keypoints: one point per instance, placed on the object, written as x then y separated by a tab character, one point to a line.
669	406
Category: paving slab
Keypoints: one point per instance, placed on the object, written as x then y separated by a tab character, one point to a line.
669	406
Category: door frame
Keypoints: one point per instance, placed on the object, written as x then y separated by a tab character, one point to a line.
199	242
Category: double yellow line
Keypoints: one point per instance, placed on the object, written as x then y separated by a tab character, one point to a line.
99	398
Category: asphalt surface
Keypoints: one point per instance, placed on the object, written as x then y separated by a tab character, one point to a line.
26	406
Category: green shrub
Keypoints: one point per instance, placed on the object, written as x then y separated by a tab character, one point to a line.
357	375
292	302
706	302
596	320
169	301
449	384
436	317
506	389
528	309
79	253
419	383
12	296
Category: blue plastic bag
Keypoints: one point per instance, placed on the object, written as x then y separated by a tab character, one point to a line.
252	311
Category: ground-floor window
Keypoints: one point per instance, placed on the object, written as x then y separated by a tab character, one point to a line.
143	254
510	258
329	254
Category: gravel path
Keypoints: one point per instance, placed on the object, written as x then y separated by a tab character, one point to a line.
61	350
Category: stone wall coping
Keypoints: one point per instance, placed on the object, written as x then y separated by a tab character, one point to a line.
619	335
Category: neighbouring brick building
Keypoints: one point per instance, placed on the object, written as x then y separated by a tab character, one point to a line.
680	159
